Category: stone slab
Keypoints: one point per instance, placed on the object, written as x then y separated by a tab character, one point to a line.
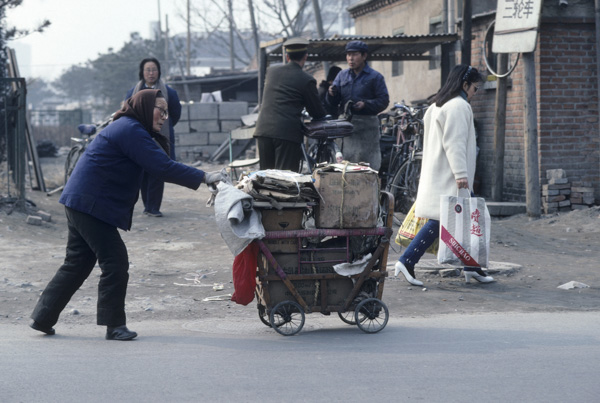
503	209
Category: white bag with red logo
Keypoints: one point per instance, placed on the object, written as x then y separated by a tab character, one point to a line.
464	231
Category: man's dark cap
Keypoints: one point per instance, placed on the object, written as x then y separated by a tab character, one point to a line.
357	46
295	45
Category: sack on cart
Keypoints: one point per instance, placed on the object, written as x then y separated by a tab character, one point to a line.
464	231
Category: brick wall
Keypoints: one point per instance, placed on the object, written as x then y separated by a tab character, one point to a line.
568	116
204	127
566	89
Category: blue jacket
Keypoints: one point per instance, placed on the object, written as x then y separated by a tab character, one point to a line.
174	107
369	87
107	178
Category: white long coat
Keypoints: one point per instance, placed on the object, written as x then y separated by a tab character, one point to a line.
449	153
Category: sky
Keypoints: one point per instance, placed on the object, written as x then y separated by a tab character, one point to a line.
82	29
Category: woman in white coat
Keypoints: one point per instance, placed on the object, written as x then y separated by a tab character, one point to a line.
449	154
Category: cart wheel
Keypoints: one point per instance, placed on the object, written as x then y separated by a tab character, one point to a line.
287	318
347	317
371	315
262	315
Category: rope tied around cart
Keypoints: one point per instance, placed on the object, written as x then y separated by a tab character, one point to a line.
344	183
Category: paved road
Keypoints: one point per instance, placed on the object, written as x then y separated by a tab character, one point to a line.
538	357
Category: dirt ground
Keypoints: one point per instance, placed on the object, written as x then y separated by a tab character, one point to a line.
180	259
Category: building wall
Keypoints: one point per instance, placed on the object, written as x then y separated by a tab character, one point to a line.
417	82
566	90
568	101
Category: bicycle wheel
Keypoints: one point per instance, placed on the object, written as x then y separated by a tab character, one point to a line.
404	187
72	158
322	152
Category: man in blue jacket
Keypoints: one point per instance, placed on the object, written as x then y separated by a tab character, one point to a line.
366	88
149	74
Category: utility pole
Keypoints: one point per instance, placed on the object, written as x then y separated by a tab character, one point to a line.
231	44
189	40
166	61
320	30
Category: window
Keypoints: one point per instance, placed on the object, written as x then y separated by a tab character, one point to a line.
398	65
435	27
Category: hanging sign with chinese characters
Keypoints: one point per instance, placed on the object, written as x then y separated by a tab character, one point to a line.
516	28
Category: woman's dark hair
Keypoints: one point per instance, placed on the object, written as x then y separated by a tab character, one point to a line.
460	74
146	60
333	72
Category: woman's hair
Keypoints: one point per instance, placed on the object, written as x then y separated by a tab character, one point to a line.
454	83
333	72
146	60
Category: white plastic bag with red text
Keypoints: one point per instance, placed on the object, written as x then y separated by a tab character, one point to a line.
464	231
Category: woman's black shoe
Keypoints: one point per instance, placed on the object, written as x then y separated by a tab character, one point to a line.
120	333
36	326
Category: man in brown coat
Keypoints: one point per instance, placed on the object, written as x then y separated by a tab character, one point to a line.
288	89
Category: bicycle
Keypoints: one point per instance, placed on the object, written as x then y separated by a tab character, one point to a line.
321	134
404	168
88	131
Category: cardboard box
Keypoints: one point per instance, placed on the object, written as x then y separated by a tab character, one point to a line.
282	220
323	262
356	196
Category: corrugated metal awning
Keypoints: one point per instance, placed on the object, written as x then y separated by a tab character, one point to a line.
399	47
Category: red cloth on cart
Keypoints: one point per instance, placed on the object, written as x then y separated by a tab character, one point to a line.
244	274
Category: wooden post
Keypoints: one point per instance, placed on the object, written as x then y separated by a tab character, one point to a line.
499	129
530	144
262	72
467	32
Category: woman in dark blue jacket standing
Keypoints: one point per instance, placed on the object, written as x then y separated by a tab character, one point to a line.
99	199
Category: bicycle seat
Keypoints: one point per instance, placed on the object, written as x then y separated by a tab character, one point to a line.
328	129
87	129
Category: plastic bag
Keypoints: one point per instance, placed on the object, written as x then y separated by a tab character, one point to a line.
409	229
464	231
244	274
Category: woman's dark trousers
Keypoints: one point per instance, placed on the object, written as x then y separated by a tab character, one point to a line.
89	240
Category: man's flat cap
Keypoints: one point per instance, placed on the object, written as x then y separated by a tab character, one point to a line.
296	45
357	46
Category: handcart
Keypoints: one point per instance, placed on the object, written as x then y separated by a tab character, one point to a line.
291	285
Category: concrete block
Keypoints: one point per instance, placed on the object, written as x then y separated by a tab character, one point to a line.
555	174
204	125
588	200
34	220
548	192
229	125
557	181
191	139
217	138
45	216
232	110
502	209
200	111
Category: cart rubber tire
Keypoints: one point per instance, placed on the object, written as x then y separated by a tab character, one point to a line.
368	315
287	318
347	317
263	316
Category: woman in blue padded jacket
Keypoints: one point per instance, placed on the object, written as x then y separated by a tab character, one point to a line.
99	199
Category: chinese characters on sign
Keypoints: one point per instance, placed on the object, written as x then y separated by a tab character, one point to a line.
518	9
517	22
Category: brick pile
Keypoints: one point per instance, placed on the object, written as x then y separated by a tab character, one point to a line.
561	195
